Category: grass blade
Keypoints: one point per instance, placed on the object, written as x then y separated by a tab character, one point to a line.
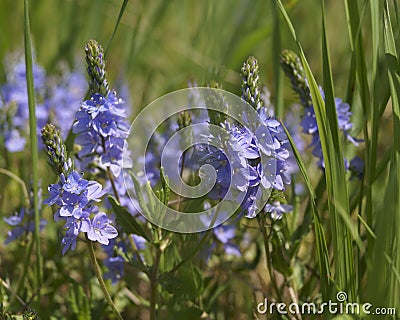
336	181
34	141
322	249
388	229
121	13
276	51
334	167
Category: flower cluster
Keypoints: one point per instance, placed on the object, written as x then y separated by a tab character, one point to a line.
309	125
267	138
293	69
100	122
74	196
55	101
101	132
65	98
14	110
252	156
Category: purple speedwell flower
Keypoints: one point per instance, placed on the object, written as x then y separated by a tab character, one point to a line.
309	124
226	234
293	69
276	209
74	196
356	168
101	128
100	121
75	183
65	97
101	229
23	223
14	120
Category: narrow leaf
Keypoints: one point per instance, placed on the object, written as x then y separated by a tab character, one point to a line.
126	220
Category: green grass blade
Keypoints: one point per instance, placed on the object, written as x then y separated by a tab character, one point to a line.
391	228
334	167
337	188
276	51
322	248
121	13
361	75
384	286
33	136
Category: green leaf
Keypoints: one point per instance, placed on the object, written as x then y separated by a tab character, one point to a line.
126	220
138	189
187	283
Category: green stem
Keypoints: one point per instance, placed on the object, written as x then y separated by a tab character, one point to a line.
137	254
13	293
268	258
276	52
99	276
111	178
153	285
25	269
34	142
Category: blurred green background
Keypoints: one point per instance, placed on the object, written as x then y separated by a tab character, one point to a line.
161	45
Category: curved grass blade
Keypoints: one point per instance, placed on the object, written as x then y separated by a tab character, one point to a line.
121	13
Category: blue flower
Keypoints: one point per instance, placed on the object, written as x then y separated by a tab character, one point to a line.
113	261
309	124
79	222
15	106
75	183
356	168
309	121
113	159
13	141
73	194
65	97
23	222
54	197
69	241
102	131
226	234
276	209
72	204
115	266
101	230
75	197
